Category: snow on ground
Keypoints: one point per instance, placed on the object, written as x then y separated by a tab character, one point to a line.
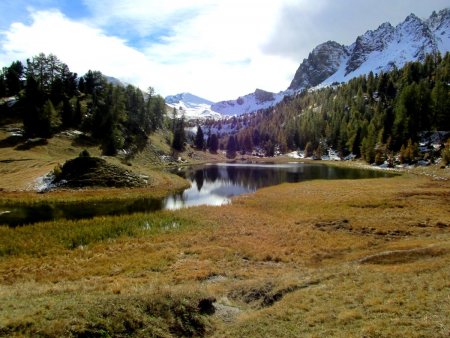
44	183
296	154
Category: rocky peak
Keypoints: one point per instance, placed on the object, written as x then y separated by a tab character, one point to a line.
263	96
412	26
419	35
439	20
322	62
369	42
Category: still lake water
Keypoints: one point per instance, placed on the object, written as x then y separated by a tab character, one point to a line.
213	184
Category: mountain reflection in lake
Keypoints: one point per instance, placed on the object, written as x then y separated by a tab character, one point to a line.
216	184
213	184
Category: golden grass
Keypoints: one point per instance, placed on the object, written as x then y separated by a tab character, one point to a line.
345	258
289	258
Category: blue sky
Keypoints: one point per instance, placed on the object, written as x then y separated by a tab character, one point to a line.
213	48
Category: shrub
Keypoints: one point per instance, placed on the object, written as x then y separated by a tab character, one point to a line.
84	153
445	153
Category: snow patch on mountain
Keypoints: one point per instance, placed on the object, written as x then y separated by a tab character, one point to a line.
258	100
388	47
329	63
192	106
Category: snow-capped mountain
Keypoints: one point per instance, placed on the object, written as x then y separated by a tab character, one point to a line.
192	106
260	99
375	51
321	63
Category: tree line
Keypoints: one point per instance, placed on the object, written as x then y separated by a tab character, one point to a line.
51	99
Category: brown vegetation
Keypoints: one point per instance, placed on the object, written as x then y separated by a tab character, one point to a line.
345	258
327	258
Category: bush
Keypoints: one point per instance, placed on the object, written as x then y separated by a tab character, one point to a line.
445	153
57	171
84	153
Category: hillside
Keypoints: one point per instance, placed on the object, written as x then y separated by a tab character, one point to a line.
386	119
25	163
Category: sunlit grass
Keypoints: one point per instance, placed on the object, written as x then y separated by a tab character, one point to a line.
288	260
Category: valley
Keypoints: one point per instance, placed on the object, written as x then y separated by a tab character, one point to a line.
318	257
318	211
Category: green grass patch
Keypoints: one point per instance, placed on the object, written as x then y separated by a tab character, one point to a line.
50	237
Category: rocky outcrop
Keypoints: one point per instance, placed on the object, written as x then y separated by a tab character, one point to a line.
86	171
321	63
369	42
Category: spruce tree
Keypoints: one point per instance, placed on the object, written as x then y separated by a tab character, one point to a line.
199	138
179	137
231	147
213	143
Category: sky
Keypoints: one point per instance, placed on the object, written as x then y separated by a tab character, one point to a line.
216	49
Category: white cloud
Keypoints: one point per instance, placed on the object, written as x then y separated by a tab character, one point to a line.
79	45
213	53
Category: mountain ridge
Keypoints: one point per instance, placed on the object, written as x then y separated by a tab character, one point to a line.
386	47
192	106
376	51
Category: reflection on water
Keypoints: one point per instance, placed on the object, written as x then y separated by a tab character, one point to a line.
44	211
210	185
216	184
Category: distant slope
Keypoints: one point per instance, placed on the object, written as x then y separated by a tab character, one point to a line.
260	99
192	106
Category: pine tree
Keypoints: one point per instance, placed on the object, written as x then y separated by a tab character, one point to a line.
213	143
440	103
3	88
199	138
179	137
13	78
67	115
231	147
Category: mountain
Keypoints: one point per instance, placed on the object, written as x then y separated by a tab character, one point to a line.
260	99
115	81
192	106
375	51
321	63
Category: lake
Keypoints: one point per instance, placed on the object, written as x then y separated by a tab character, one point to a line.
213	184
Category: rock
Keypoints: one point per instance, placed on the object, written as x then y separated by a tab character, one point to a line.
206	306
321	63
86	171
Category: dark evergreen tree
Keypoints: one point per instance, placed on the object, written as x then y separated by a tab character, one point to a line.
231	147
213	143
199	138
67	115
179	136
13	78
3	89
81	85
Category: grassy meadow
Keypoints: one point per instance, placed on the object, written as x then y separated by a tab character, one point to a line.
344	258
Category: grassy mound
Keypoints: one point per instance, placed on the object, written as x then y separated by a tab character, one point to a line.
86	171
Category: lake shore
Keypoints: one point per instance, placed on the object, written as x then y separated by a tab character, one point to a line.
363	257
346	257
